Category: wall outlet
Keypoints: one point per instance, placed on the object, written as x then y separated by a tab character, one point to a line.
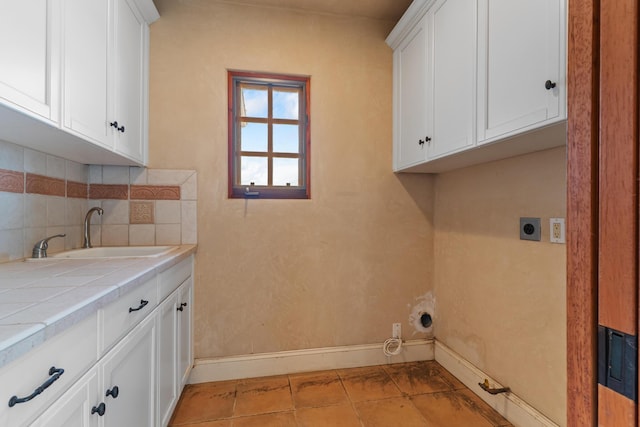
556	230
530	229
396	330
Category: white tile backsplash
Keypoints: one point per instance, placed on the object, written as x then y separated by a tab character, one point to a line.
115	174
77	172
11	157
56	211
168	234
27	218
142	235
189	221
113	235
35	210
35	162
168	211
12	210
55	167
115	212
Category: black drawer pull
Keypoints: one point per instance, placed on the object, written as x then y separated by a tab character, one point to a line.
140	307
113	392
54	374
100	409
181	306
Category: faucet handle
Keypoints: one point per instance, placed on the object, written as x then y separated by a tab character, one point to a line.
40	248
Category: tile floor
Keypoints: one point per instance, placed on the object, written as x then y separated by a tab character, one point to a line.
399	395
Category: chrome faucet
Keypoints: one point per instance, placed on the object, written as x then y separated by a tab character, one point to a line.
87	226
40	248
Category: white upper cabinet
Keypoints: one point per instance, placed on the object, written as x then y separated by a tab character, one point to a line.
495	70
130	59
86	29
521	63
453	82
105	56
410	98
27	63
82	65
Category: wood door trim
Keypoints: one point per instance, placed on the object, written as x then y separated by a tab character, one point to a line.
582	211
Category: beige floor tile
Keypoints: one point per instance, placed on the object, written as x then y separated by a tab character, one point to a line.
421	377
334	416
372	383
317	389
391	412
263	395
282	419
205	402
449	409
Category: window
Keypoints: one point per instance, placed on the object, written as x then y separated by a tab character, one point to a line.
268	136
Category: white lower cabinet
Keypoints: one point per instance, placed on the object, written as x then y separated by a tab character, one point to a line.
167	358
136	383
174	349
74	408
185	331
128	379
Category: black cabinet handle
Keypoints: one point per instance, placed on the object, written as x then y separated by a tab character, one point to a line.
140	307
115	125
549	85
181	306
113	392
426	138
54	374
100	409
420	142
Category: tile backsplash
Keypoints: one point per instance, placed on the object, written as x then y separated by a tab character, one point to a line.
42	195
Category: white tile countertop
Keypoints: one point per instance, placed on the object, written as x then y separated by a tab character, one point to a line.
39	299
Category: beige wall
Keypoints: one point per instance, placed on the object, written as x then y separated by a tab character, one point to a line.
340	268
275	275
500	300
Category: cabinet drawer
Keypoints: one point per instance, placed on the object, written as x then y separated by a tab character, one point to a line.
172	278
126	312
75	351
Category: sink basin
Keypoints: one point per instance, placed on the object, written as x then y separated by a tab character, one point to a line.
115	252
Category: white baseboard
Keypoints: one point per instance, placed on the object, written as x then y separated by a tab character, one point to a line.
510	406
317	359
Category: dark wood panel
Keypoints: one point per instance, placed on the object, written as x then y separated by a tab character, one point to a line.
618	165
582	156
615	410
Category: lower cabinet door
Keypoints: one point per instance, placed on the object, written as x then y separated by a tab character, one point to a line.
130	367
74	408
167	354
185	354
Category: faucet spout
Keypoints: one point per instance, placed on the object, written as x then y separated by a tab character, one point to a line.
87	226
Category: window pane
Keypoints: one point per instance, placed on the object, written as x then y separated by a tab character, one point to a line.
253	170
254	137
254	101
285	171
286	139
285	103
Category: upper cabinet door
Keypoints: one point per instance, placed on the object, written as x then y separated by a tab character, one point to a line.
130	33
85	29
453	67
520	48
26	80
410	98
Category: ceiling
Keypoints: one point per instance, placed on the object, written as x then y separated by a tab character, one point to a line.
390	10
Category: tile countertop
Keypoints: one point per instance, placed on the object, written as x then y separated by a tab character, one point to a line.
39	299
